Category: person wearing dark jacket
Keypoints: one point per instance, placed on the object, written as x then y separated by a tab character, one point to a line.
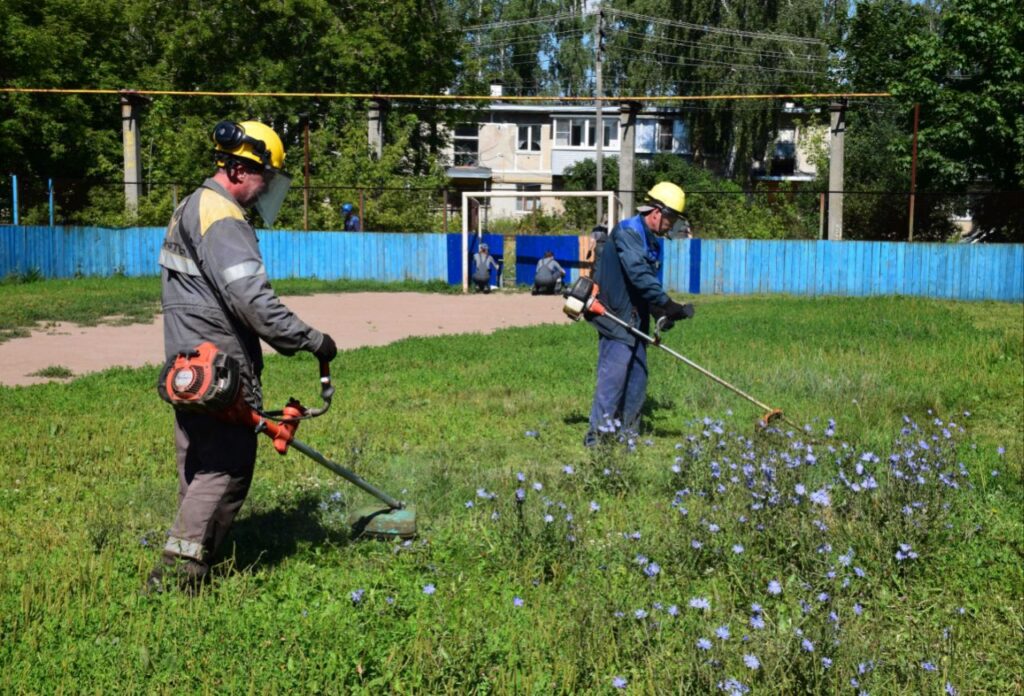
627	278
215	288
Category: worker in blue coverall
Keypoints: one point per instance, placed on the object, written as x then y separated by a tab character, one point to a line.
352	222
627	278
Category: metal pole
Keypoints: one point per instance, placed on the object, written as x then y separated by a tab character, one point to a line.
49	188
14	195
835	171
913	173
599	113
627	147
465	243
305	185
132	151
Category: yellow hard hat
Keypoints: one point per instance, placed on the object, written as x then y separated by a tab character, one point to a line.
665	194
249	140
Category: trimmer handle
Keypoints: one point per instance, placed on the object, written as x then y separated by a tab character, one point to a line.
326	390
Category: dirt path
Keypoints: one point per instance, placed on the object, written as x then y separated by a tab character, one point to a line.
352	319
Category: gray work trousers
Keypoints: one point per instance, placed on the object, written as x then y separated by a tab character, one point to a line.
215	467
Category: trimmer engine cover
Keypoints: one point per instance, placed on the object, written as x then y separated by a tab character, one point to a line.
204	380
578	297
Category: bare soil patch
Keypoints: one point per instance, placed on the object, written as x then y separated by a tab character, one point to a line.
352	319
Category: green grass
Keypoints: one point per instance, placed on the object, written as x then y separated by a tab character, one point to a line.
26	302
89	490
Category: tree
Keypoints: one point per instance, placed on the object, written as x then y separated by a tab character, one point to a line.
963	63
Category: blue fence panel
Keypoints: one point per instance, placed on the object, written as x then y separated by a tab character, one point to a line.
495	242
530	249
717	266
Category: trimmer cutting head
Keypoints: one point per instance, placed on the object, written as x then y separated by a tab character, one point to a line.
383	522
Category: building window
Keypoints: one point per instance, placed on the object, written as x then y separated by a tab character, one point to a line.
467	145
574	132
665	135
527	204
611	133
529	138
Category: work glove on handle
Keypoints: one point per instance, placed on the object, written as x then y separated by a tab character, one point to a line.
327	351
673	310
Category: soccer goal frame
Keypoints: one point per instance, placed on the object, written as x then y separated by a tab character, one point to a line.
468	195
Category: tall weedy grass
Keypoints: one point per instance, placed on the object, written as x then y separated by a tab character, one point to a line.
876	548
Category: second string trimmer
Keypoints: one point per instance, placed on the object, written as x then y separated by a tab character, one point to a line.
581	300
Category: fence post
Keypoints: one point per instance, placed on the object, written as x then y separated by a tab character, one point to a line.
14	196
49	188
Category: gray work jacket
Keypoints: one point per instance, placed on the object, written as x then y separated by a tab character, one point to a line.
228	252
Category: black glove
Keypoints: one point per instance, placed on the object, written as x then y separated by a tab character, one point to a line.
673	310
327	350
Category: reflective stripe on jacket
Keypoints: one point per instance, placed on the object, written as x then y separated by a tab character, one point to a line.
228	251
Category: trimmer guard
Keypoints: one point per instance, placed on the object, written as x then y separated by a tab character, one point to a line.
383	522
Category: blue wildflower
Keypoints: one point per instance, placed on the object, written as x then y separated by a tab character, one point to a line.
826	662
928	666
429	589
594	507
751	661
700	603
357	596
652	569
807	645
737	549
520	495
619	682
703	644
774	588
640	613
821	497
517	601
733	687
722	632
756	622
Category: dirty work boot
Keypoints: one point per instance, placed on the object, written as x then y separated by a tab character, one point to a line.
185	574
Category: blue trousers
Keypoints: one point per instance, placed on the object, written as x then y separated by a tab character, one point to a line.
621	386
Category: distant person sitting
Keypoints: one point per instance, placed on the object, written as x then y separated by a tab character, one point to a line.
483	262
548	280
352	221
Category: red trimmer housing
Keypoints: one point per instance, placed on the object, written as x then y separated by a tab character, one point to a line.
205	380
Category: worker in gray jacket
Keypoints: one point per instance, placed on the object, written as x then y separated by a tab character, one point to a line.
548	279
627	278
215	289
483	262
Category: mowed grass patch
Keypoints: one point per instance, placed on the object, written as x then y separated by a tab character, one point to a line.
892	527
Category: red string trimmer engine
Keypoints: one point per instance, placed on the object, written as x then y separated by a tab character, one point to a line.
208	380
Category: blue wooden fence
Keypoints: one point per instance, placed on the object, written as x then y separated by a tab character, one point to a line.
63	252
715	266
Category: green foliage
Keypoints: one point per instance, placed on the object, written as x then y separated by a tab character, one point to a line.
303	46
963	63
715	207
54	371
523	604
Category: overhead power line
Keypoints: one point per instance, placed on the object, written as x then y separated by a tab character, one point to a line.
433	97
504	24
714	30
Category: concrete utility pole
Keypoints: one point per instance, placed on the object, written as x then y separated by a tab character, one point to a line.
835	170
375	115
913	174
130	106
599	117
627	148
